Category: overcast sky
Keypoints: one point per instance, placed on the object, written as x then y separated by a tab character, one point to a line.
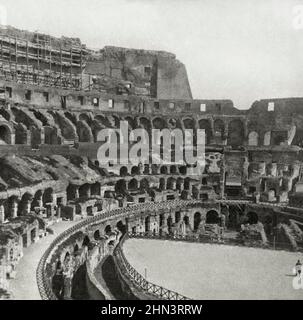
242	50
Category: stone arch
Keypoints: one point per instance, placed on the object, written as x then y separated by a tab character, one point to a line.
108	230
71	192
235	133
24	204
76	249
37	201
183	170
96	189
206	125
189	123
144	184
84	191
85	117
155	169
132	123
197	220
68	129
253	138
121	226
120	186
97	235
133	184
173	169
86	241
7	135
11	207
186	220
103	121
180	184
123	171
171	183
252	217
159	123
135	170
21	134
71	116
212	217
163	170
84	132
187	183
219	128
162	184
48	196
267	138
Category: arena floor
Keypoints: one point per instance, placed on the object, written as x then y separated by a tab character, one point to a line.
208	271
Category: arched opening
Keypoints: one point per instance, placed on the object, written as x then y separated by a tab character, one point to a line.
154	169
86	241
33	235
186	220
163	170
169	222
96	189
252	218
84	191
212	217
180	183
253	138
159	123
97	235
187	184
5	135
171	184
108	230
147	224
123	171
219	130
48	196
121	227
197	220
71	192
173	170
144	185
135	170
235	133
24	206
204	181
76	249
177	216
66	257
120	187
183	170
206	126
162	184
133	185
36	201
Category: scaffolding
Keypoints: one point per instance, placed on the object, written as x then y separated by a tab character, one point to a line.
41	62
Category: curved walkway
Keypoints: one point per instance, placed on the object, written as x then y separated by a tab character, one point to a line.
24	287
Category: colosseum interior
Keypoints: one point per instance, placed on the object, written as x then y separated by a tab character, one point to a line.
56	95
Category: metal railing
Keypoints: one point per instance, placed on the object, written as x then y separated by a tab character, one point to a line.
43	279
141	282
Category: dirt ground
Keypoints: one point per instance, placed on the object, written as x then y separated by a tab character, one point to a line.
207	271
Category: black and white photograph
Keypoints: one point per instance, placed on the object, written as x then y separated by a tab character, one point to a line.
151	150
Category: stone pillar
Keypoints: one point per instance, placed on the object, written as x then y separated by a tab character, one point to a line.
14	209
27	207
2	214
76	192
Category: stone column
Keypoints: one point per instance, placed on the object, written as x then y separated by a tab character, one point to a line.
2	214
76	192
27	207
14	209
